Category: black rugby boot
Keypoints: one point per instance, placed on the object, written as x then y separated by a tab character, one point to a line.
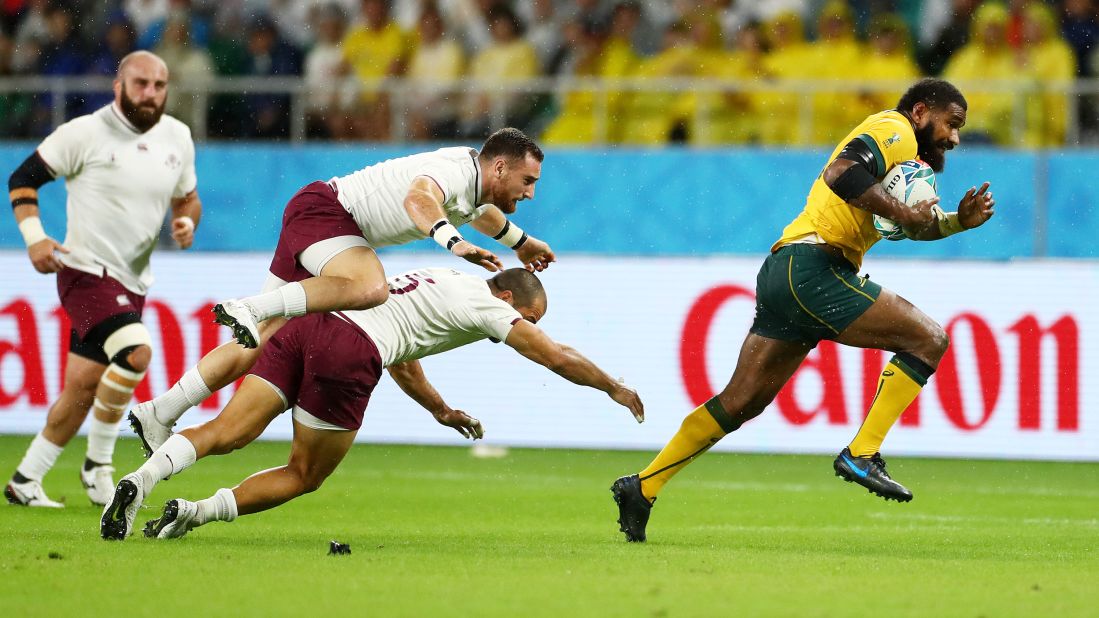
870	473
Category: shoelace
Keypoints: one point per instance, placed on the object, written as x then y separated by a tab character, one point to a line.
881	462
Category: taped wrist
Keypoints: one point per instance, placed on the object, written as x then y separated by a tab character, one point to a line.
444	233
949	224
32	230
511	236
186	219
853	182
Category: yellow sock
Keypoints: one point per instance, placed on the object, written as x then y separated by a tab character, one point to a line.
898	386
701	429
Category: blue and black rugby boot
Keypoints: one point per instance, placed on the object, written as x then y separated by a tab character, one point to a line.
870	473
633	507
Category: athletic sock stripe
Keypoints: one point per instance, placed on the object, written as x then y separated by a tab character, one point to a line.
720	416
680	462
913	363
909	371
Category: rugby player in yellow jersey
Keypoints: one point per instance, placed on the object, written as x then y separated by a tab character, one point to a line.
808	290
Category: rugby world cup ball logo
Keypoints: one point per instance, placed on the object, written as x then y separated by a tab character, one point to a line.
910	182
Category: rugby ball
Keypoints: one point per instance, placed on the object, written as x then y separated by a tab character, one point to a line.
910	182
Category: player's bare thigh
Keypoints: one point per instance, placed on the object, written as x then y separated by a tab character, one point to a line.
252	408
894	324
357	263
352	279
316	453
764	366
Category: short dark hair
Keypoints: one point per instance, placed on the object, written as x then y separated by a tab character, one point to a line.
524	286
935	93
511	143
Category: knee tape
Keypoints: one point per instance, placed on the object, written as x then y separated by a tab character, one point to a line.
116	388
120	343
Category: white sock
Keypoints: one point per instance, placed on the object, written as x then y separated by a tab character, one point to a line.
287	301
293	299
40	457
189	392
174	456
101	439
222	506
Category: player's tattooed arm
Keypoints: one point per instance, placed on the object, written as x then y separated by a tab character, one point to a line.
534	254
855	185
424	205
186	213
529	340
410	377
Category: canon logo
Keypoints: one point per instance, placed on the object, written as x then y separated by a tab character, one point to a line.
25	350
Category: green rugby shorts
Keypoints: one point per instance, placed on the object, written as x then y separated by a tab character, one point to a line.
804	293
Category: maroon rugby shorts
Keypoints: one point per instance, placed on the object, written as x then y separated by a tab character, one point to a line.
325	365
97	306
312	215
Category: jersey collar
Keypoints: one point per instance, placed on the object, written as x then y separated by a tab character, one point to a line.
477	176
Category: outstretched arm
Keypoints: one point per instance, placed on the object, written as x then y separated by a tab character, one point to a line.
410	377
186	213
529	340
424	205
23	188
533	253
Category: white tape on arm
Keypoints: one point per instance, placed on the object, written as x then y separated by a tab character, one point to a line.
949	224
187	220
32	230
444	233
511	235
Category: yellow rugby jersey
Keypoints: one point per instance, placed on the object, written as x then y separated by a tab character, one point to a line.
891	138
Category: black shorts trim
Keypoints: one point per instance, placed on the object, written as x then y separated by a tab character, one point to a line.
91	347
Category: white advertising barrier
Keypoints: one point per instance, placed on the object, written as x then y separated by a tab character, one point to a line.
1017	381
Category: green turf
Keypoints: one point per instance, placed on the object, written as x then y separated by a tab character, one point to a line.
435	532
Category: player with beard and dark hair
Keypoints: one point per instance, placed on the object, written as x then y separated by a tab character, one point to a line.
326	259
809	289
124	166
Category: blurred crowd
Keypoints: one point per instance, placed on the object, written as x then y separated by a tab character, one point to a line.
347	50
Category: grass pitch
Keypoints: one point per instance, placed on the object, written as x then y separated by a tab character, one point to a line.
435	532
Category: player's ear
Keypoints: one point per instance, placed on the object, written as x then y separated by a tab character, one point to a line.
507	297
920	112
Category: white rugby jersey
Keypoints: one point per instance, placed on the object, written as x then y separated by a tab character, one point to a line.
120	184
433	310
375	195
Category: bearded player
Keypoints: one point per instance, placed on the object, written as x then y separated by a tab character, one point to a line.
809	290
124	166
325	259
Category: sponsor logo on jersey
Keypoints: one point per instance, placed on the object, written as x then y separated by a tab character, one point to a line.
893	139
122	300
